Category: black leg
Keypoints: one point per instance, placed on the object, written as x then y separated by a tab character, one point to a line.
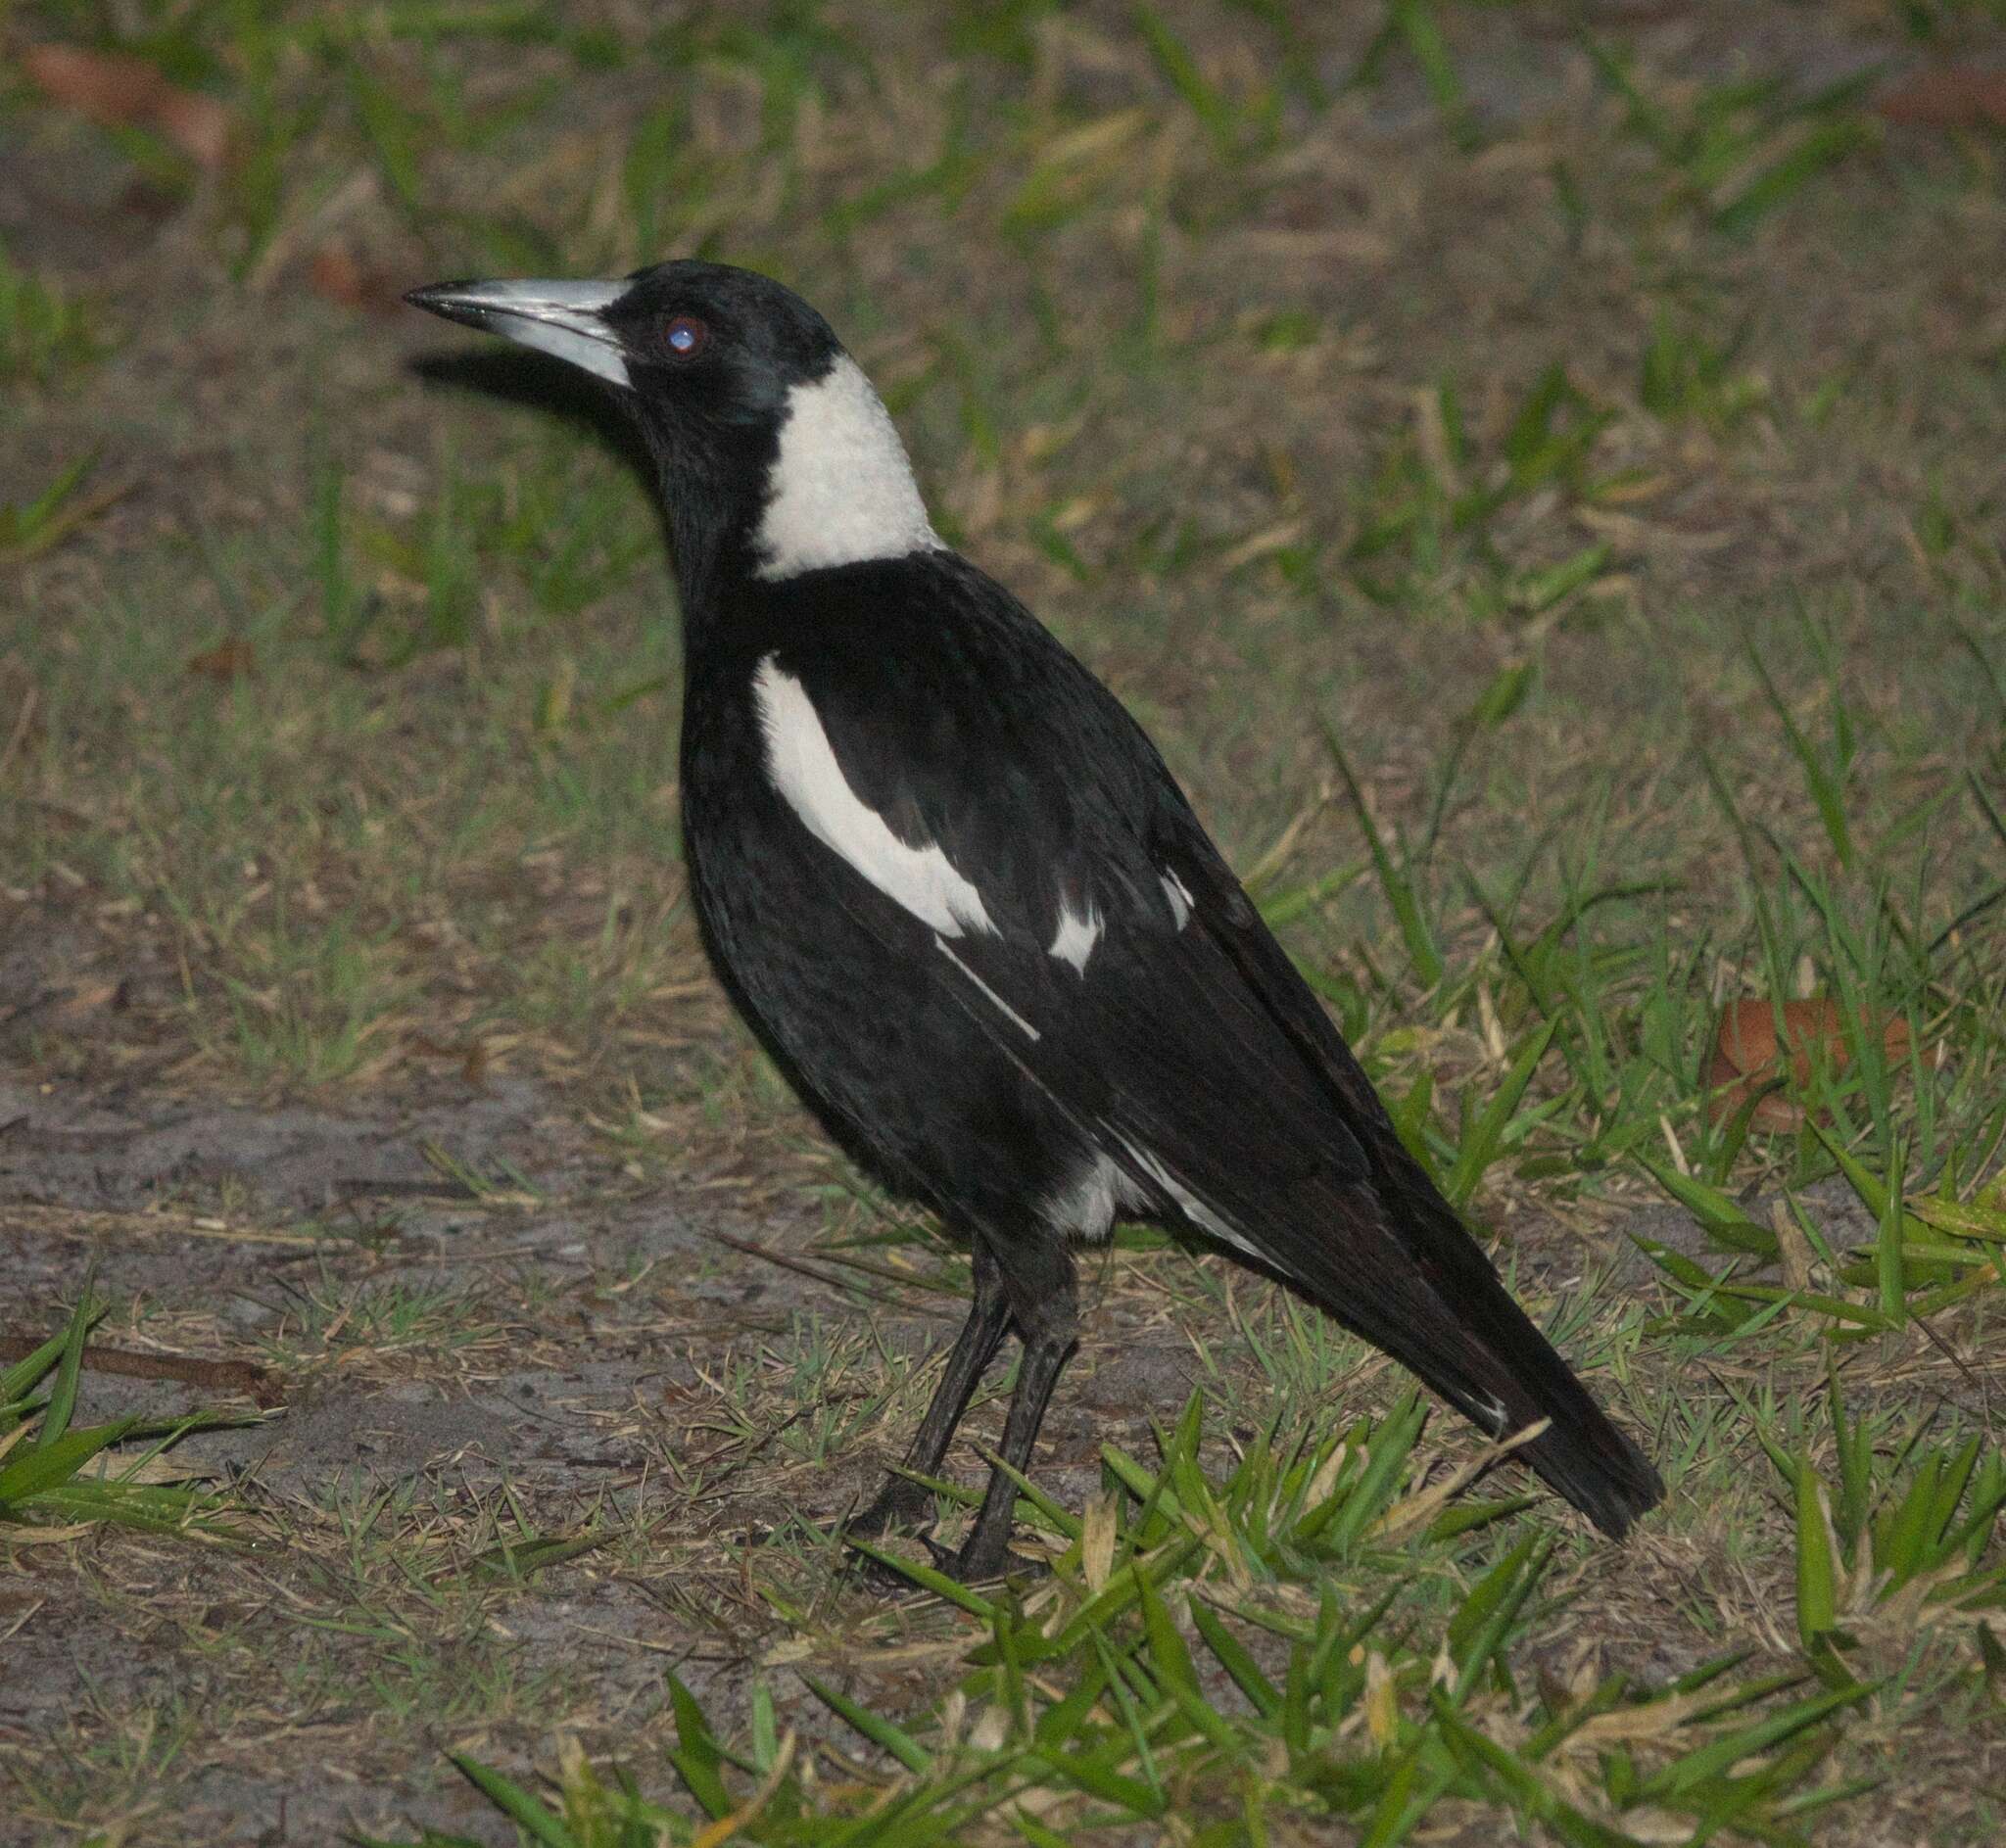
1044	1303
902	1502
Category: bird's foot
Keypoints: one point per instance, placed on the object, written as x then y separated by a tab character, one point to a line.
868	1572
966	1564
901	1504
981	1559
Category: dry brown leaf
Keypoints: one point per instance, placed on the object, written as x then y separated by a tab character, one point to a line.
1097	1543
1951	96
121	90
163	1470
26	1533
338	276
232	658
1747	1063
87	1000
1382	1702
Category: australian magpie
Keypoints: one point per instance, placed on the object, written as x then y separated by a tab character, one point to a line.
964	906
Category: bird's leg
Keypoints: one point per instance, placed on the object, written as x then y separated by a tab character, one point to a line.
1044	1303
902	1502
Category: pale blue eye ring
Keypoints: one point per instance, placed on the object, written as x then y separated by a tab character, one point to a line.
685	337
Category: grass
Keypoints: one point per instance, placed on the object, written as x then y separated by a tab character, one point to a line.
42	331
58	1479
1547	520
1192	1655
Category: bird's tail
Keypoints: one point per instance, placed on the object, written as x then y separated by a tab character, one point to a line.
1343	1209
1451	1321
1581	1454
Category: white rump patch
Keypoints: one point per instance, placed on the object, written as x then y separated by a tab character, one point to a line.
989	994
561	318
1180	899
1076	936
840	489
1086	1209
802	764
1194	1208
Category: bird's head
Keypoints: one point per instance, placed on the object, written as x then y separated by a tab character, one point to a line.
766	432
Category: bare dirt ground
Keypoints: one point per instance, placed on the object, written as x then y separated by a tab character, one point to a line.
569	1340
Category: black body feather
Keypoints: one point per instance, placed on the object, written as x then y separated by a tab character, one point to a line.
1111	1025
956	715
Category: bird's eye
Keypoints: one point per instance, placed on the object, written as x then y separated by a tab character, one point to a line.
685	337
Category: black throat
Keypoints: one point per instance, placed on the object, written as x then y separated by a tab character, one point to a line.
713	483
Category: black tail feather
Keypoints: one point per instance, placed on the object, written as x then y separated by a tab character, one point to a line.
1407	1277
1367	1234
1488	1359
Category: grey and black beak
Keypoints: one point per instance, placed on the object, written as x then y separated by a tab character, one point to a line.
566	319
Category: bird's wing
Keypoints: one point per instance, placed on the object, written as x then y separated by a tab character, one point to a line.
1011	833
999	809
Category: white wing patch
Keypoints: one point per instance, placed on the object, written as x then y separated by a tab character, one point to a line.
1179	898
989	994
1076	936
802	764
840	489
1087	1207
1194	1208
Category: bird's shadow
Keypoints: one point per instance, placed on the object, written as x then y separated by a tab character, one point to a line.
535	381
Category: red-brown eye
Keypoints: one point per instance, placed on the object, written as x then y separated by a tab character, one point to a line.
685	337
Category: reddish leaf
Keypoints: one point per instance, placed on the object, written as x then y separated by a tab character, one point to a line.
230	659
1951	96
114	88
337	275
1746	1062
472	1055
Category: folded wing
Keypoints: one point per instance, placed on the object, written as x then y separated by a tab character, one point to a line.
1012	830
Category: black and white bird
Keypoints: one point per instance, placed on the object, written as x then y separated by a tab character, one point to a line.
956	892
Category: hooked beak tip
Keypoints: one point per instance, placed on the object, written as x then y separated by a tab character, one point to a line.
452	300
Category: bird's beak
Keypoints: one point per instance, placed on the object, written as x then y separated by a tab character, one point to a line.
566	319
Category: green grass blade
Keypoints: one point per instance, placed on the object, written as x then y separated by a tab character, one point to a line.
1236	1659
33	1472
1174	62
1688	1775
1487	1138
696	1757
1817	1561
535	1819
1393	880
1827	791
62	1397
880	1732
20	1379
925	1578
1713	1207
1888	1257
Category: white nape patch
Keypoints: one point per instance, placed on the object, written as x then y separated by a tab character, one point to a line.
989	994
1194	1208
840	489
1076	936
561	318
802	764
1180	899
1087	1207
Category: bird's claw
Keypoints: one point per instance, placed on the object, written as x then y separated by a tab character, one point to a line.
880	1575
